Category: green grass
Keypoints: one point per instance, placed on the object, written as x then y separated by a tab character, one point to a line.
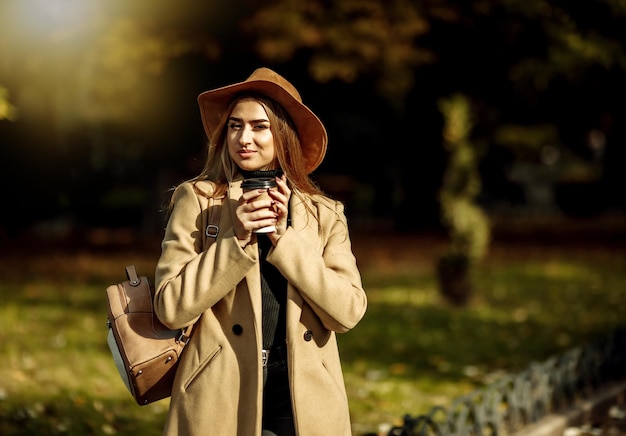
410	352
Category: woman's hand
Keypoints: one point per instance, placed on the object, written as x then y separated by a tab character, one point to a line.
253	213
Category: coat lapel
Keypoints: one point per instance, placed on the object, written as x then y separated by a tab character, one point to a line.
252	280
301	223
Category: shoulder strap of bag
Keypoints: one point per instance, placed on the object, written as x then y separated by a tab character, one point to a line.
214	210
211	231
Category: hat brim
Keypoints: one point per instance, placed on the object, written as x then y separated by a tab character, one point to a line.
311	131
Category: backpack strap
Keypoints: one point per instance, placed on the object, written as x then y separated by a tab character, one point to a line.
214	210
131	273
213	228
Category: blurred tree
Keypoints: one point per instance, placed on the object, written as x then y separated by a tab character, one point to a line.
347	40
89	61
466	224
90	80
7	110
531	44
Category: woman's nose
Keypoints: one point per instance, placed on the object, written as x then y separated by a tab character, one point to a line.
246	135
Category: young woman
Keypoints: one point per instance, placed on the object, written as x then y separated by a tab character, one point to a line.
263	356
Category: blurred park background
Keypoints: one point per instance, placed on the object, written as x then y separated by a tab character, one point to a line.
99	112
484	136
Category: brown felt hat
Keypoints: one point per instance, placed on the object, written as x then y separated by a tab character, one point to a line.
311	131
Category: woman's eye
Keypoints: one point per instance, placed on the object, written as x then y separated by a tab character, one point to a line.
234	126
261	127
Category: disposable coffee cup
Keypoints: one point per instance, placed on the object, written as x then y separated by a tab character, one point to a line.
260	183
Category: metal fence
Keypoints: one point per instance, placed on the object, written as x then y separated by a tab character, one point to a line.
508	405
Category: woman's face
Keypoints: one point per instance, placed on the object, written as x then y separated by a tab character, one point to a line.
250	140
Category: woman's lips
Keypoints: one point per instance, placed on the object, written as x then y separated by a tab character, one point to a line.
246	153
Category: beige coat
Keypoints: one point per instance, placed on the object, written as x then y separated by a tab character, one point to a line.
218	386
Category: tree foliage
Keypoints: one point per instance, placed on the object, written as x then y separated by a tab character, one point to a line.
347	39
477	45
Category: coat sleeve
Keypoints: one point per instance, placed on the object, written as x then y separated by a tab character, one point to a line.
188	279
327	277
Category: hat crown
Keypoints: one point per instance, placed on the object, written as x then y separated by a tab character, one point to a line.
267	75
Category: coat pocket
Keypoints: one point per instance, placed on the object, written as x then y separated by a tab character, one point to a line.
195	372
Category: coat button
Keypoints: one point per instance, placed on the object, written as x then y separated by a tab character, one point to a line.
237	329
308	335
